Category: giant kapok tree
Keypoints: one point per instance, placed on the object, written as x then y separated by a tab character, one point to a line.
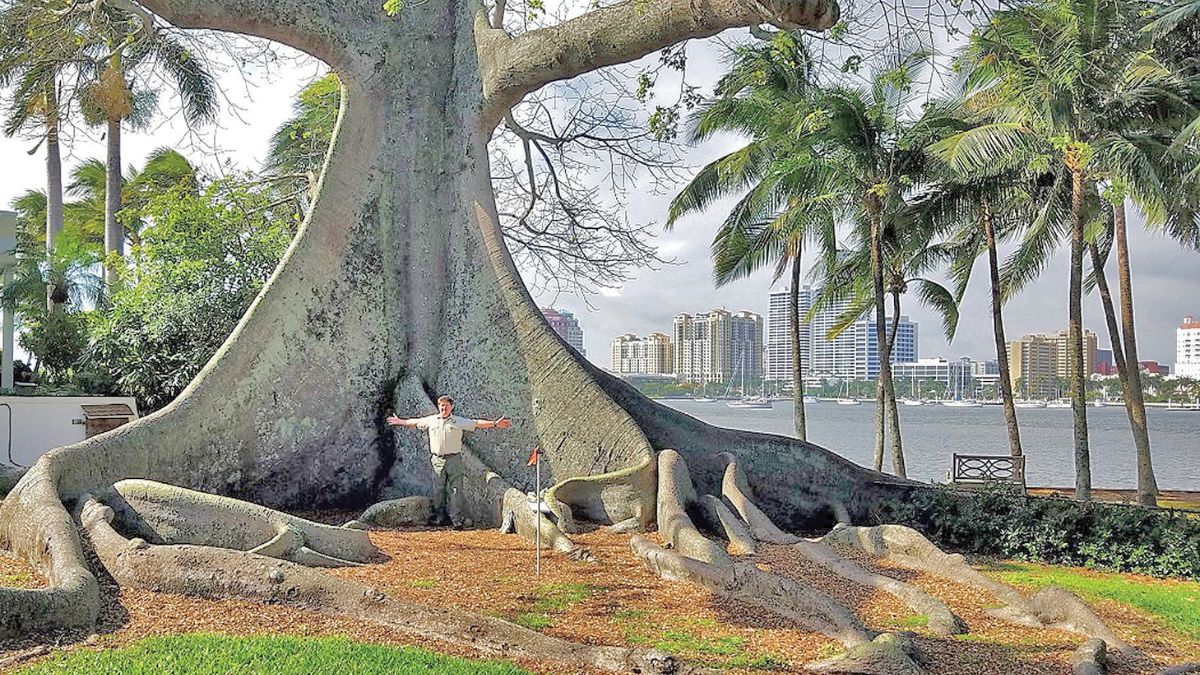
398	288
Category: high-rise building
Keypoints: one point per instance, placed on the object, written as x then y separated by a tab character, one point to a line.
650	355
1104	362
718	346
1187	348
567	326
1040	365
779	336
866	347
836	357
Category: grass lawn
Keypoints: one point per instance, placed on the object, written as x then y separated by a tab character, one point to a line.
1176	603
207	654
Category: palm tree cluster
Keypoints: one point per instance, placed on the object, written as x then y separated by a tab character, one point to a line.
103	63
1061	113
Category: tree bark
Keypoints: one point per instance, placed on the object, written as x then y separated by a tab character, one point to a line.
1006	389
1135	402
54	186
794	335
885	396
1076	370
114	232
885	362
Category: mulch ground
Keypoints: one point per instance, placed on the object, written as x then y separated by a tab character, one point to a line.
616	601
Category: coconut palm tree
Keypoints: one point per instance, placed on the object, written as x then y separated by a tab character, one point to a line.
847	153
765	86
127	51
1063	84
299	146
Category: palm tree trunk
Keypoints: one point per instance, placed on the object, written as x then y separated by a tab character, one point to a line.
894	410
884	396
794	330
1006	389
114	233
54	185
1135	403
1076	372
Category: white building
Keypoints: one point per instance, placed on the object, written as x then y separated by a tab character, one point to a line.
567	326
650	355
718	346
779	337
1187	348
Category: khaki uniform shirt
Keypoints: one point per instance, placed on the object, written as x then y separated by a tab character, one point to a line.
445	434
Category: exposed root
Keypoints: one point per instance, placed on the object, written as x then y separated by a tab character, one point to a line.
415	510
740	541
210	572
887	654
941	619
628	526
905	546
166	514
737	491
675	492
1090	659
613	497
746	583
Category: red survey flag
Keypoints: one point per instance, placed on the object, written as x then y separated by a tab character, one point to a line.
533	458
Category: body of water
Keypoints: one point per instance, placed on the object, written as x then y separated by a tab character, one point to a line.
932	433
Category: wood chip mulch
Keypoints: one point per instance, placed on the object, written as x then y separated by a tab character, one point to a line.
16	573
615	600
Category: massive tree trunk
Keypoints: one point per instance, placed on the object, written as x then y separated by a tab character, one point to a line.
794	338
398	288
1075	366
1135	402
1006	389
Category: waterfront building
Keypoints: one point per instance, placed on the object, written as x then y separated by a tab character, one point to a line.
650	355
567	326
778	362
866	348
1039	365
718	346
1187	348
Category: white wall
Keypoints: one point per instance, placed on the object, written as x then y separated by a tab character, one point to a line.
42	423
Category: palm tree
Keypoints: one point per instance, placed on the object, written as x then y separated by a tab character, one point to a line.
1062	83
299	146
127	45
769	224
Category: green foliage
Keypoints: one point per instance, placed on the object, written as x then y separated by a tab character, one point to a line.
424	584
1175	603
205	654
557	597
1002	522
200	265
533	620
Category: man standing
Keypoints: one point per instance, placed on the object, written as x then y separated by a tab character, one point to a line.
445	443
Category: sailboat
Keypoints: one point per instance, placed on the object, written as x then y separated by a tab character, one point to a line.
704	397
959	401
750	402
847	400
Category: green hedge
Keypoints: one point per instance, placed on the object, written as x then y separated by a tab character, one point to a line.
1000	521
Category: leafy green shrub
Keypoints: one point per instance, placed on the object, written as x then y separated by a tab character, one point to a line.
999	521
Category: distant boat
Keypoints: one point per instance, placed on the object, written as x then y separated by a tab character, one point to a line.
962	404
912	401
1058	404
849	401
810	399
751	402
1030	404
704	399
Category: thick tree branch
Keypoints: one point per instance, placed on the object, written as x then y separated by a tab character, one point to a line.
514	67
332	32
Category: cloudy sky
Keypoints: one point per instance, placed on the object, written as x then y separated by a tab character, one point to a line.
1166	278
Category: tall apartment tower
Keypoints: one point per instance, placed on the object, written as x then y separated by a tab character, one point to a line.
1038	364
650	355
779	337
836	357
866	346
718	346
1187	348
567	326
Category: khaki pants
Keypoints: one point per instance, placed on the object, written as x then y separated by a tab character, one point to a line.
447	482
